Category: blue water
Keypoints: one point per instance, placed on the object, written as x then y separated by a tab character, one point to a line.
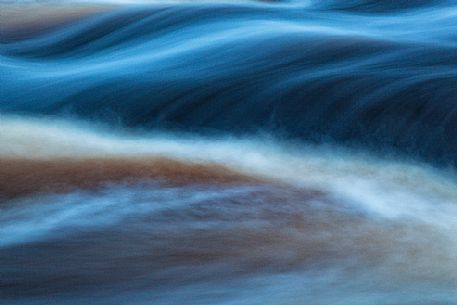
371	73
345	111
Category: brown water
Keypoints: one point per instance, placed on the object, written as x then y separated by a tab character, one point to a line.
101	219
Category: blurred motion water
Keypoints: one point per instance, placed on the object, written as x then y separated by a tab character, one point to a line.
216	152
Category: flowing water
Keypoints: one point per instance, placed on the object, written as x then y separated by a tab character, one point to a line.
228	152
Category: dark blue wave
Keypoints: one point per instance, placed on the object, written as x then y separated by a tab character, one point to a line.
377	6
362	73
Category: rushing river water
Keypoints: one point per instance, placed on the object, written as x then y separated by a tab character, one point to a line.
215	152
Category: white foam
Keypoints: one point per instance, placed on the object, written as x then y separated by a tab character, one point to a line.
54	216
389	193
382	187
